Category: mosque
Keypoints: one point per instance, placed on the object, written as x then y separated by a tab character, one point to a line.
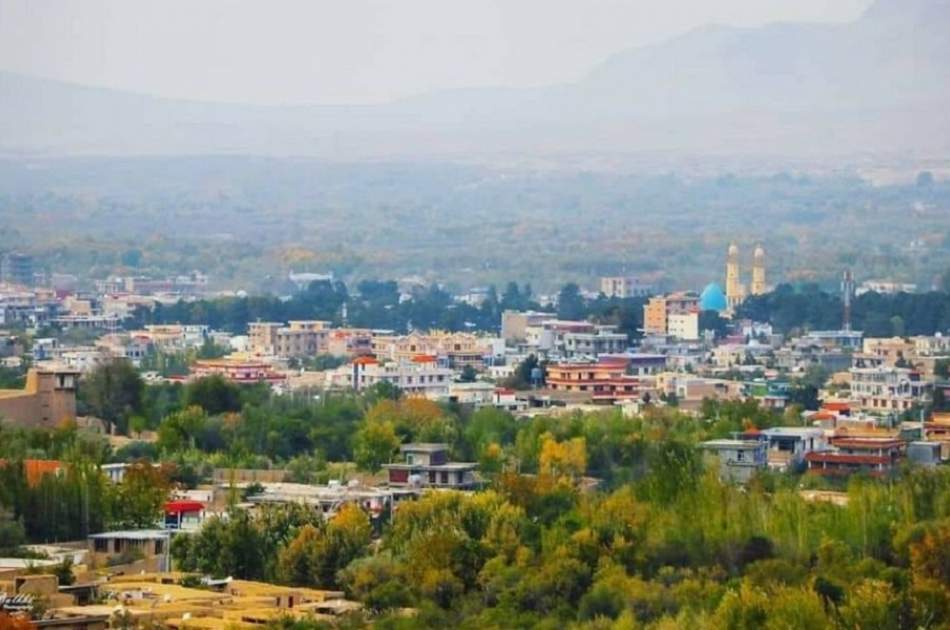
713	299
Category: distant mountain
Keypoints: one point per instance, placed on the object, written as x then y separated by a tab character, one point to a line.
881	83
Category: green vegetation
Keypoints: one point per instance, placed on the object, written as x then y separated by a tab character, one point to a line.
807	307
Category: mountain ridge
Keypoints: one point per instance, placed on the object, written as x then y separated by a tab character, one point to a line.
877	83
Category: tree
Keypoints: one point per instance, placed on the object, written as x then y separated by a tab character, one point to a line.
570	303
139	498
374	444
214	394
468	375
113	392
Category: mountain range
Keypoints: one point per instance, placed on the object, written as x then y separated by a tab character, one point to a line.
880	84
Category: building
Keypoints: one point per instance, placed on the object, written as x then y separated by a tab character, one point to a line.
299	338
713	299
603	340
888	390
738	460
788	446
885	287
48	399
876	455
184	515
17	268
684	326
455	350
420	376
240	371
602	381
735	290
149	547
657	310
428	465
514	324
624	287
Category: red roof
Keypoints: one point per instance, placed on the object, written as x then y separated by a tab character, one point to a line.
837	406
367	360
180	507
840	458
869	443
424	358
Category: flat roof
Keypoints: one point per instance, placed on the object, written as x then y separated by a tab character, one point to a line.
428	447
133	534
731	444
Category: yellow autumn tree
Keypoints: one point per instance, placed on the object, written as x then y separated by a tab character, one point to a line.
563	460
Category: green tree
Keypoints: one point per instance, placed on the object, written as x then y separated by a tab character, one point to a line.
214	394
113	391
374	445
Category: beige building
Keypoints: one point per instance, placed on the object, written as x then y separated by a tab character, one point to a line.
514	324
623	287
48	399
457	350
299	338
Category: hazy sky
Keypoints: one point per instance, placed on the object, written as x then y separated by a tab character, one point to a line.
351	51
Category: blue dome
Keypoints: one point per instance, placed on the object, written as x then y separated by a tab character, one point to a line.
712	298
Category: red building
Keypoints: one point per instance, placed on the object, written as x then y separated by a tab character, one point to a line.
605	380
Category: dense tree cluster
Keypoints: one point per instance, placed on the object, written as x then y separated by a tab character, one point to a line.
377	304
789	308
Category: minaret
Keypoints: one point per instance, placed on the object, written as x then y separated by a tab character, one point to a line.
758	271
734	289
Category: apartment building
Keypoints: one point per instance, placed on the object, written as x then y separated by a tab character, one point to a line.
299	338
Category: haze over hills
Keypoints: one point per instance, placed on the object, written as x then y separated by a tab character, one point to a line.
878	84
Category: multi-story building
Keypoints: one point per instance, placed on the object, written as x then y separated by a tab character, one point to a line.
657	311
297	339
603	340
454	350
888	390
738	460
624	287
350	342
428	465
601	381
420	376
876	455
683	326
48	398
237	370
515	323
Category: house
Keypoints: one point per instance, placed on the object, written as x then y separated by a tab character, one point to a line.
876	455
184	514
738	459
787	446
148	547
428	465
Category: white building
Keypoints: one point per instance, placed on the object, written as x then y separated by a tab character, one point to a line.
420	377
888	390
683	326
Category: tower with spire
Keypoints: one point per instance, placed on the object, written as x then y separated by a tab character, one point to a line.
735	291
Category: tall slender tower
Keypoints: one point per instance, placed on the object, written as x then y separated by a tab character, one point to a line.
758	271
847	294
734	289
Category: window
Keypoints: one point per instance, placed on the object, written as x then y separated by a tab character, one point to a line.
101	545
159	547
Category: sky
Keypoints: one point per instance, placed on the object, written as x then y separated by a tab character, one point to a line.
352	51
